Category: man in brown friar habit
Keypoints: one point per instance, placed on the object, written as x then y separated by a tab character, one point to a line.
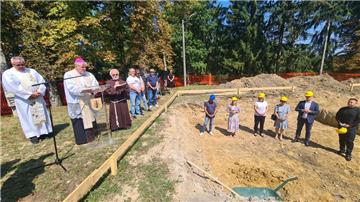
119	110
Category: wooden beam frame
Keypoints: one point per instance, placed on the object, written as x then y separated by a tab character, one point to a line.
352	85
111	163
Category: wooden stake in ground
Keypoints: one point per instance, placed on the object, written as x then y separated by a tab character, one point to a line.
215	179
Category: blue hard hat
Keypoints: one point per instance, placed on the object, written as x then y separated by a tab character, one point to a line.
212	97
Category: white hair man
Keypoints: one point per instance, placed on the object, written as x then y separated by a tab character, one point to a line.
78	86
119	110
29	99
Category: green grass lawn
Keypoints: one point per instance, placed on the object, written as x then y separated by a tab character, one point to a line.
19	179
149	180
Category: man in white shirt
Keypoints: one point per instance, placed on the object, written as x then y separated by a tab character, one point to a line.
79	85
29	100
134	84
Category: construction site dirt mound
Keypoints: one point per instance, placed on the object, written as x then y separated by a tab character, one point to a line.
318	83
261	80
352	80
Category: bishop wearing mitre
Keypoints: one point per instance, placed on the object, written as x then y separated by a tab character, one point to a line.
79	87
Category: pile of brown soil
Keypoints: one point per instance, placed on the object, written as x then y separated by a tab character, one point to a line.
318	83
352	80
261	80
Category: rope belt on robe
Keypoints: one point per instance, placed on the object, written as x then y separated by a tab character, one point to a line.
116	115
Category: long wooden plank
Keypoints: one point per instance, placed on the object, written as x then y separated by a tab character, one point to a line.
233	90
192	92
91	180
88	183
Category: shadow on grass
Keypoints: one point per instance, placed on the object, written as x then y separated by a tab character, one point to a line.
20	184
59	127
8	166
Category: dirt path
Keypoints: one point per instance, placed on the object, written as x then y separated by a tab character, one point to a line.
255	161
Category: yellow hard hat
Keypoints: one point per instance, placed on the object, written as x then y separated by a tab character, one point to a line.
284	99
234	99
342	131
309	94
261	95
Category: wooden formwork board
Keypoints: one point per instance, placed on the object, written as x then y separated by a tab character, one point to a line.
352	85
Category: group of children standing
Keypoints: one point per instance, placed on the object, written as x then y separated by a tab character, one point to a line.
280	116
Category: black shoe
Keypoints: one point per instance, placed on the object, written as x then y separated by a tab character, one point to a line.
341	152
261	134
255	133
348	157
295	140
134	117
307	144
34	140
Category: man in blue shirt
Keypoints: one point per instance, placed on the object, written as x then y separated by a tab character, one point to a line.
153	84
210	111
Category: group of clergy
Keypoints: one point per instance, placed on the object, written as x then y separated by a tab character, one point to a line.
80	87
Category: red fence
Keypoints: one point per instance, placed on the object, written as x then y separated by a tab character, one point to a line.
5	109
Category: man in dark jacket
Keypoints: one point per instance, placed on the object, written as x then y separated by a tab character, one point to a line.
348	117
308	110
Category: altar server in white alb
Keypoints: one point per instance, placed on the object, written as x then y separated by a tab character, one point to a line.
79	86
29	100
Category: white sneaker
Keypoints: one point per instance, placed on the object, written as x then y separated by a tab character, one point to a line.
201	134
151	107
211	133
156	105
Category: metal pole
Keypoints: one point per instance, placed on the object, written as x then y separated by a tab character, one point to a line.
183	41
324	51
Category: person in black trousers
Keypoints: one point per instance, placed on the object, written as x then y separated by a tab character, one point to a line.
308	110
348	117
260	108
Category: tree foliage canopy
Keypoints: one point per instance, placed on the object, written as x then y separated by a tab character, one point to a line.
242	37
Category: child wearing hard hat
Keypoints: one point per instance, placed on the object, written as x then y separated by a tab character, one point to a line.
308	110
348	118
260	108
210	111
281	112
233	121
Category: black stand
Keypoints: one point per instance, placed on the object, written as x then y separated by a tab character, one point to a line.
58	161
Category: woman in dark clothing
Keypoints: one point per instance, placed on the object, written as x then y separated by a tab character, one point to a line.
171	79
